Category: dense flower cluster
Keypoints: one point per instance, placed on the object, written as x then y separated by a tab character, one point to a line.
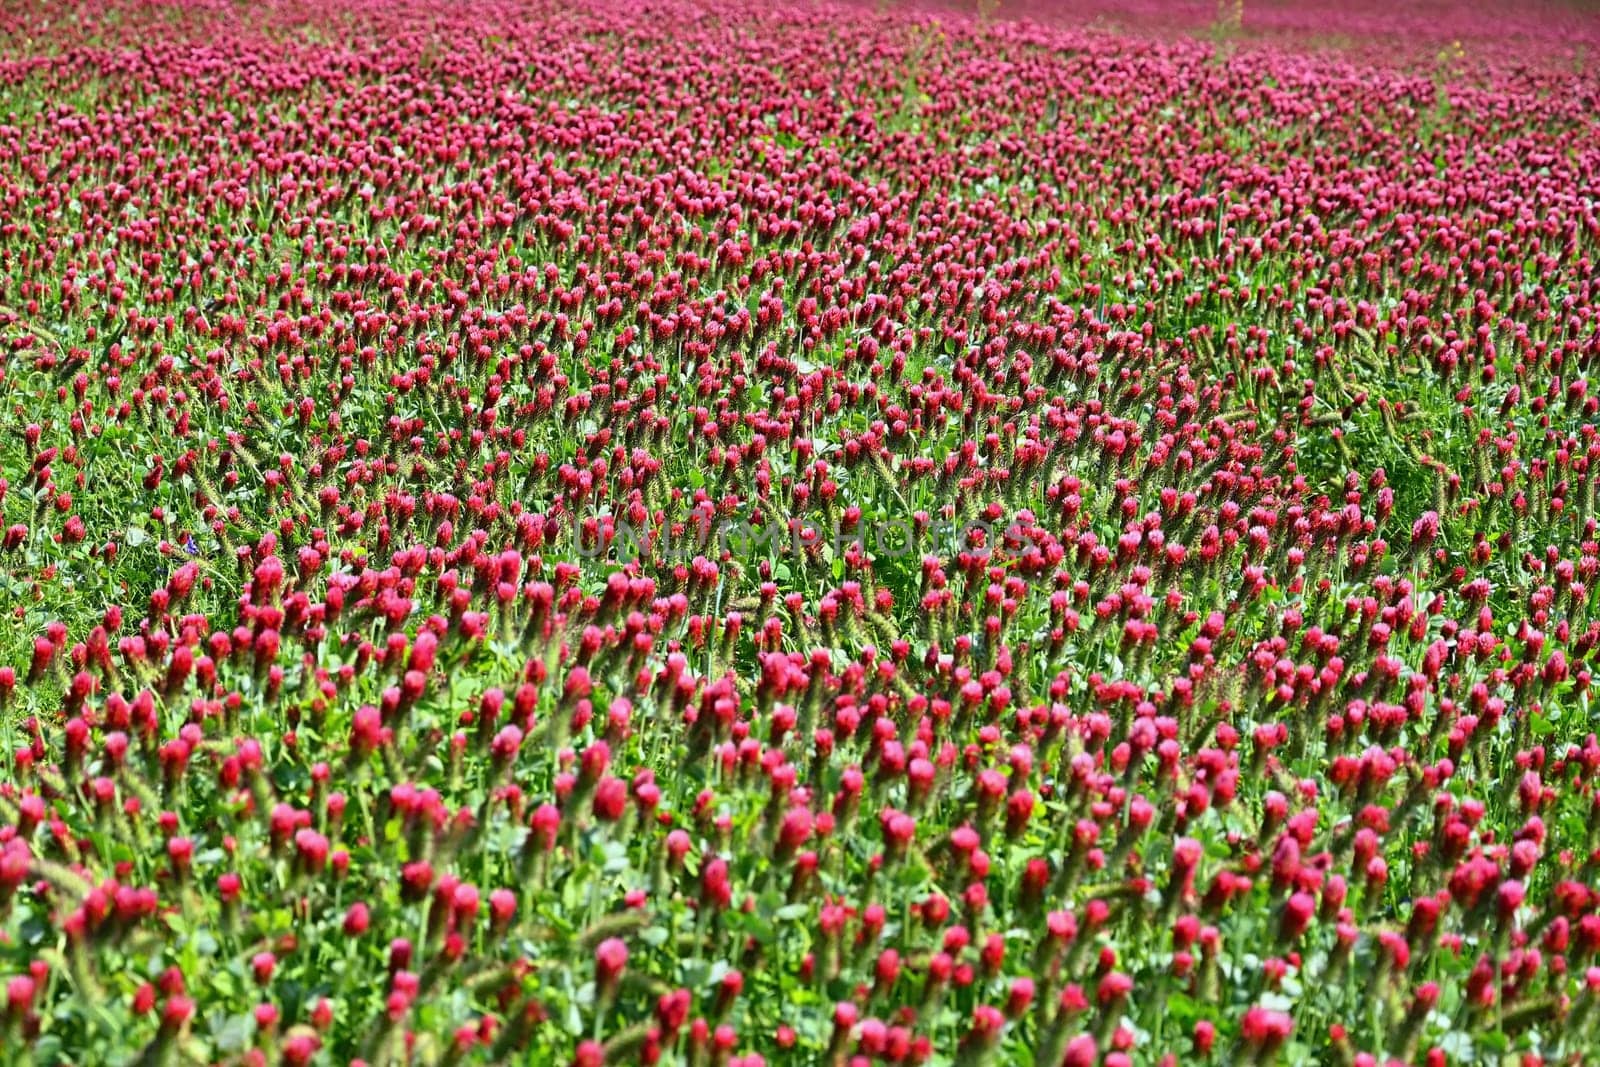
341	340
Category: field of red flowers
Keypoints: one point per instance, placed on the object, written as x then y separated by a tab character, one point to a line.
713	532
